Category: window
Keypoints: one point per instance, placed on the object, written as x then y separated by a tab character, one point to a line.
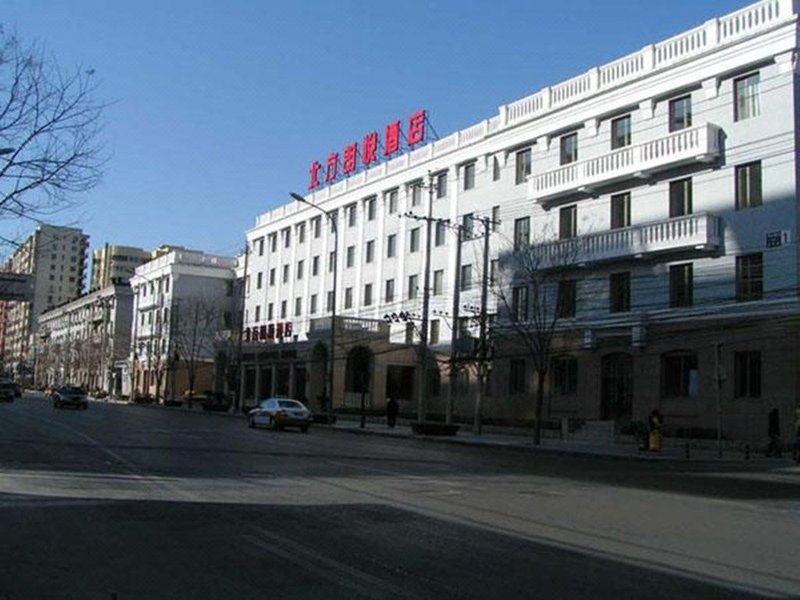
679	375
416	193
495	168
298	307
438	282
270	311
370	251
748	185
287	237
440	233
259	280
469	176
329	302
334	219
495	217
368	294
516	376
258	313
681	286
300	265
620	132
680	113
273	242
272	276
350	256
467	225
391	201
259	244
569	148
749	277
283	309
466	277
414	244
522	166
522	233
389	291
680	198
565	304
391	243
619	292
747	374
301	233
409	333
313	304
315	266
371	205
746	95
565	375
441	184
348	298
433	334
350	211
413	286
285	273
316	224
519	303
621	210
331	261
567	222
494	265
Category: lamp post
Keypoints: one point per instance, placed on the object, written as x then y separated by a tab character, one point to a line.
335	228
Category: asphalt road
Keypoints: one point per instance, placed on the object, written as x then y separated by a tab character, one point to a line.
143	502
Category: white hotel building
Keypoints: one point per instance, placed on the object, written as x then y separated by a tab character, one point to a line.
670	174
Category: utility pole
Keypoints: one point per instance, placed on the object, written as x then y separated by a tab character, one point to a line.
451	392
239	387
483	365
718	378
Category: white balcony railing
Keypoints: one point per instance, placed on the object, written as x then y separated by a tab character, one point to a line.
696	144
692	232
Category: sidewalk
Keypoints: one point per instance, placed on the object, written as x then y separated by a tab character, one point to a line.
524	440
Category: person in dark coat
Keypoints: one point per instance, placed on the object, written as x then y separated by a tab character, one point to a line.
391	412
774	431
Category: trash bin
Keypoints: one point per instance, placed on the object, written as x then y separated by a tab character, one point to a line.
654	441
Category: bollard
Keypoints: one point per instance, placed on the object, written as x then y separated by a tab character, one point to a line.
688	451
747	452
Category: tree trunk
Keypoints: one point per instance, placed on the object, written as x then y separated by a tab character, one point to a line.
537	435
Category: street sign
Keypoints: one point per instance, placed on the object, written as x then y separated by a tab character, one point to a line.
17	287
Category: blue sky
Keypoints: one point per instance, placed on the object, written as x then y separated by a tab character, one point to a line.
217	108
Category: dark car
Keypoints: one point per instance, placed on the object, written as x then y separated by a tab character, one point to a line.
7	391
70	395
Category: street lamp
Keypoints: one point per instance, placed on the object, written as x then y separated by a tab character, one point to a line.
332	220
7	151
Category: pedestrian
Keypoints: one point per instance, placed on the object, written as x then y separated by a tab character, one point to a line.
774	432
655	422
391	412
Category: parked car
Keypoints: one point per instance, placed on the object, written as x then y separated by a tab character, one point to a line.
70	395
216	401
278	413
7	391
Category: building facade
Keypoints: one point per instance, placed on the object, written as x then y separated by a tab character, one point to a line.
82	341
56	258
113	263
183	303
655	198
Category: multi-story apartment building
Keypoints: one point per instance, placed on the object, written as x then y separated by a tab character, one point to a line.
56	258
183	300
84	340
113	263
658	195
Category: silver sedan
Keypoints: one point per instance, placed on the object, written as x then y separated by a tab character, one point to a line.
278	413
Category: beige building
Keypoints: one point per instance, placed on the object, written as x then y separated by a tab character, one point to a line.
56	257
113	263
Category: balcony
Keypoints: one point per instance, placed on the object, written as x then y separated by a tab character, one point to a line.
694	145
699	232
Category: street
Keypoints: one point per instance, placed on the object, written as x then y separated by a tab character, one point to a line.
143	502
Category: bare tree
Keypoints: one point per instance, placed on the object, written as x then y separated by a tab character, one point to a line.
196	328
49	132
532	307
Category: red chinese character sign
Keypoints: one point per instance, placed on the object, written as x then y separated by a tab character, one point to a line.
392	144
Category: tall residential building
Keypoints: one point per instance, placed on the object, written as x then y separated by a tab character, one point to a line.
113	263
658	193
183	299
56	257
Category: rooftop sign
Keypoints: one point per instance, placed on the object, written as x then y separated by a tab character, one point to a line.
368	154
